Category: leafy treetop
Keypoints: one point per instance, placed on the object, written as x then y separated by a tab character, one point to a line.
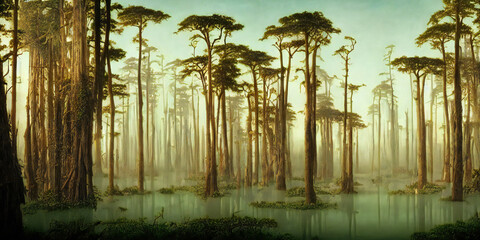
139	16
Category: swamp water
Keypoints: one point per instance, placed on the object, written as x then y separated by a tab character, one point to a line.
370	214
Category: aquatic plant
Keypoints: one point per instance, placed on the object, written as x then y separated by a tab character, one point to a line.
298	205
49	201
428	188
465	230
203	228
300	191
166	190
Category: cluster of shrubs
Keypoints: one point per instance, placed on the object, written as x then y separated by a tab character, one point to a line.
204	228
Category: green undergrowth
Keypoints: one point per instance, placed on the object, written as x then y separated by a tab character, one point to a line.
465	230
49	201
133	190
300	191
170	190
199	189
204	228
474	185
298	205
429	188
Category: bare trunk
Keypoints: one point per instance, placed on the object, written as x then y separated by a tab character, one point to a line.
310	197
248	169
112	102
280	176
407	144
257	139
446	160
264	136
421	158
11	182
457	186
141	167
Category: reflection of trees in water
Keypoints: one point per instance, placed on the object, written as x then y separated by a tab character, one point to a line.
347	203
421	212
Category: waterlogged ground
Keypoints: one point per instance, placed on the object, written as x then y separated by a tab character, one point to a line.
370	214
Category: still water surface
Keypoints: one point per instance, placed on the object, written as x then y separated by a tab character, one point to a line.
370	214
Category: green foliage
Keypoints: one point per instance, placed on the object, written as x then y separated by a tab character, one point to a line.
204	228
300	191
133	190
465	230
113	192
206	24
309	23
79	229
298	205
138	16
199	188
419	66
429	188
50	201
170	190
437	35
474	185
254	59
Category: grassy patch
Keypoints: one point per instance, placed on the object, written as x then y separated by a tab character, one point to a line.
429	188
133	190
465	230
199	189
299	205
204	228
50	201
169	190
300	191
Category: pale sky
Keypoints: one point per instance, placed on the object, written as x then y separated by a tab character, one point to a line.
375	24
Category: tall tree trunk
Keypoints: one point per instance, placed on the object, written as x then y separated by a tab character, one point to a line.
457	186
227	160
280	183
211	178
43	136
313	108
98	89
407	144
446	160
239	150
310	197
248	169
50	117
379	132
11	182
421	132
468	145
264	135
230	137
141	166
195	138
13	113
79	185
59	106
106	53
257	139
430	134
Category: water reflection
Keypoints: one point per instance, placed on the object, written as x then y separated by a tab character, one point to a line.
366	215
